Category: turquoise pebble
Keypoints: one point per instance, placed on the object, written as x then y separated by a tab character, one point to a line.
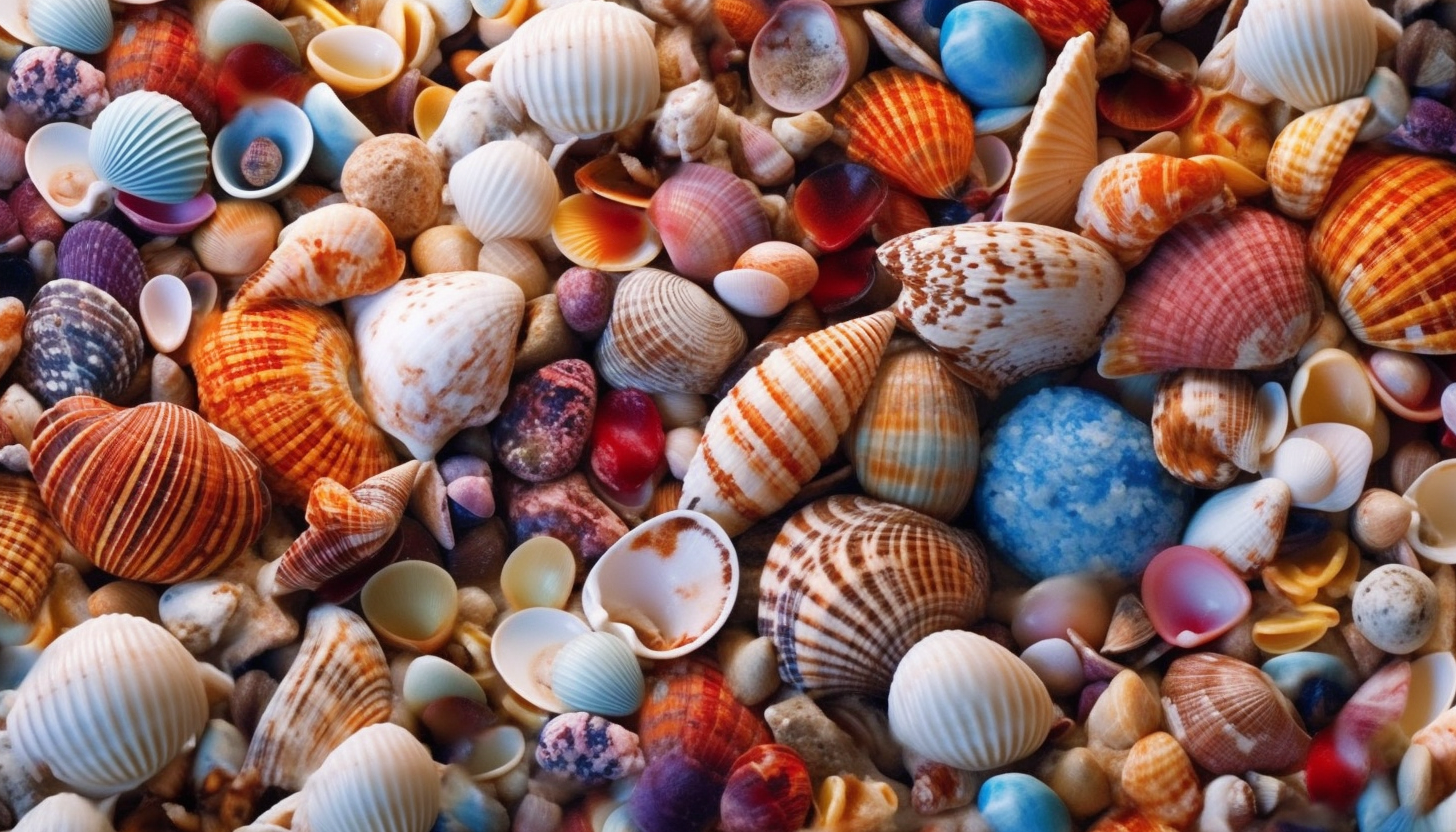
991	55
1020	802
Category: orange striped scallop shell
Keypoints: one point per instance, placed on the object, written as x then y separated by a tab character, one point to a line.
30	545
156	48
915	130
1058	21
688	706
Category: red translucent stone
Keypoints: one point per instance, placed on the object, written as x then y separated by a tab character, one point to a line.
628	443
253	70
844	277
1330	777
836	203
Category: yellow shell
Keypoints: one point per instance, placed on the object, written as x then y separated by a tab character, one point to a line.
1059	147
30	545
1305	156
1159	779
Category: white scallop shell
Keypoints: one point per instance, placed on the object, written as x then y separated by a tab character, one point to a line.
108	705
380	779
598	673
149	145
80	26
56	161
505	189
525	645
963	700
1310	53
1433	528
1351	450
65	811
1242	525
1306	466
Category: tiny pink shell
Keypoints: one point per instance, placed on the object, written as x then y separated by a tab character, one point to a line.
1193	597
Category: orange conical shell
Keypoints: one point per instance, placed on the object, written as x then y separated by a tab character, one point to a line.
157	49
915	130
689	707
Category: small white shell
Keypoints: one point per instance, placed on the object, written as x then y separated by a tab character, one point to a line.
505	189
752	292
1433	527
430	677
380	778
1308	53
411	604
1432	689
166	312
524	647
598	673
149	145
1306	467
65	811
1351	450
494	752
80	26
56	161
273	118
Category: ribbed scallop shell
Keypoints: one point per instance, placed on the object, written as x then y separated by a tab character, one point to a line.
82	26
598	233
781	421
108	705
1385	248
1230	717
1059	21
689	708
707	217
435	354
1219	292
151	493
156	48
667	335
505	190
237	238
381	778
1059	147
963	700
598	673
823	595
1308	53
30	545
335	252
915	130
67	811
1210	424
583	71
277	376
1130	201
1159	779
150	146
916	441
78	340
99	253
1308	152
1003	301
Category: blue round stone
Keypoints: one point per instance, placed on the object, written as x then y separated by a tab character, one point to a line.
1017	802
991	55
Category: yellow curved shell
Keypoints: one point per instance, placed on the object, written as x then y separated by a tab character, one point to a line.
30	545
1305	156
1059	147
915	130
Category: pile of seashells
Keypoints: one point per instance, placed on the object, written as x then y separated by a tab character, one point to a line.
741	415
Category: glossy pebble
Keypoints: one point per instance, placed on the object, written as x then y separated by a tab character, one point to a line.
1014	802
992	55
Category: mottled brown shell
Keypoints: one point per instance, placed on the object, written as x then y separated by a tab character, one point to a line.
1230	717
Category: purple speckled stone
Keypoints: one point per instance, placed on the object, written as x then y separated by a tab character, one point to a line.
50	84
98	253
589	748
675	793
38	220
585	299
1429	127
546	421
566	509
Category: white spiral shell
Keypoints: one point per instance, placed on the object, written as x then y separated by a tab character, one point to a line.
381	779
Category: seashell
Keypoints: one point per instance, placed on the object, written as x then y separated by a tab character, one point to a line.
1060	603
505	189
707	217
494	753
431	679
690	710
667	335
444	248
984	296
618	177
165	312
37	220
974	720
98	253
1310	55
1193	596
109	704
836	203
517	260
1395	608
1319	684
157	49
589	749
50	84
1013	800
336	132
768	790
149	145
1129	628
912	128
1058	664
30	546
1228	126
1157	94
1387	298
1159	780
397	178
1130	201
81	26
1210	424
354	60
598	673
1306	467
78	340
851	551
752	292
232	24
412	26
238	238
429	109
1058	23
539	573
1126	712
56	162
1248	265
1349	451
65	811
674	792
275	374
1300	574
380	776
742	18
1230	717
598	233
1409	386
737	488
278	121
1308	152
411	604
1294	629
993	55
1059	148
1432	688
412	384
332	253
524	647
847	803
790	263
799	60
149	493
1432	530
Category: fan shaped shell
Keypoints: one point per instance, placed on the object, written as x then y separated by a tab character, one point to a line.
1060	21
1230	717
690	709
666	335
707	218
157	48
1310	54
505	190
99	253
78	340
82	26
150	146
915	130
1059	147
380	778
30	545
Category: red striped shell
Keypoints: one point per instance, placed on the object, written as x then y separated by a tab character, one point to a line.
915	130
689	707
1058	21
157	49
151	493
30	545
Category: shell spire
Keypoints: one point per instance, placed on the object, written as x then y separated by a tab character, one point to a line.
336	252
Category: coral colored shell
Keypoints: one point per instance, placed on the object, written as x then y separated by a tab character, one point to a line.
381	777
667	335
1158	778
1230	717
237	238
78	340
505	190
689	708
706	217
1128	202
1059	21
781	421
1308	152
1059	147
336	252
1003	301
1218	292
768	790
1210	424
277	376
1384	246
109	704
963	700
792	264
157	49
915	130
30	545
597	233
1192	596
150	146
1309	54
821	596
151	493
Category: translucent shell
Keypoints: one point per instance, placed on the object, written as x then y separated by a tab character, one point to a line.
329	254
381	777
1309	54
915	130
1308	152
822	589
1230	717
151	146
689	708
150	493
1130	201
157	49
1059	147
598	233
1385	248
30	545
1192	596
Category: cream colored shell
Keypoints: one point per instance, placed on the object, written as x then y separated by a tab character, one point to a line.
381	779
505	189
1310	53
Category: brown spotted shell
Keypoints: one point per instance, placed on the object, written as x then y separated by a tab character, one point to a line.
30	545
1210	424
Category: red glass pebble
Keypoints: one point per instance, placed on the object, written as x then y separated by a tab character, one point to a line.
628	443
835	204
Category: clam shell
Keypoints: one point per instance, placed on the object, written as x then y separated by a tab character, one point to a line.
1349	451
505	189
1243	525
30	546
1003	301
1308	151
541	572
238	237
232	23
98	253
78	340
150	493
598	673
108	705
707	218
1432	531
165	307
1309	54
1192	596
752	292
332	253
56	162
1128	202
411	604
690	710
157	49
149	145
1210	424
768	790
275	119
667	335
799	60
963	700
1125	713
1230	717
822	589
381	777
1060	21
1059	147
1158	778
65	811
737	482
354	60
597	233
915	130
81	26
525	645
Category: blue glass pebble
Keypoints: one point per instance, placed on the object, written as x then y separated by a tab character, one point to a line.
1069	483
1318	684
1020	802
991	55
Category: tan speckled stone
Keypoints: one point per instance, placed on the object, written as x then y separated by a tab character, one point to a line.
396	177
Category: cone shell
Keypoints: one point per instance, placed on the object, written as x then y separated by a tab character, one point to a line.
1003	301
1128	202
1308	54
963	700
1308	152
821	596
277	376
30	545
1059	21
1210	424
381	778
689	708
150	146
1159	779
1385	248
1230	717
781	421
109	704
707	217
667	335
157	49
1059	147
78	340
150	493
1225	292
336	252
915	130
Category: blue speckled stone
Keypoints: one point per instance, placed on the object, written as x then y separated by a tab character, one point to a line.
991	55
1020	802
1069	483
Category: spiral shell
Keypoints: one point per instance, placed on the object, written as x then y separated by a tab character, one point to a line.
915	130
30	545
667	335
78	340
1131	200
1308	152
381	778
1230	717
335	252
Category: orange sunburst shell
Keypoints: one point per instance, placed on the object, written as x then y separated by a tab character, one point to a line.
1385	249
156	48
689	707
1058	21
30	545
915	130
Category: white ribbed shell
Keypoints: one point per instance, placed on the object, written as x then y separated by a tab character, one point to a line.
110	703
66	811
598	673
380	779
1308	52
581	69
505	190
963	700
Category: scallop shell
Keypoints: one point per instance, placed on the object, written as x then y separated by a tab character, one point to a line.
149	145
598	673
435	354
761	444
1308	152
1218	292
1003	301
67	811
150	493
277	376
99	253
332	253
354	60
81	26
1309	54
707	218
667	335
1060	21
1059	147
78	340
1230	717
109	704
821	596
1158	778
237	238
963	700
505	189
30	546
1128	202
915	130
381	777
689	709
1210	424
1384	246
598	233
157	49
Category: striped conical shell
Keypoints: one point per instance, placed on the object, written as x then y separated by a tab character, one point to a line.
277	376
1385	248
336	252
1308	152
688	706
30	545
667	335
851	584
156	48
150	493
915	130
1129	201
781	421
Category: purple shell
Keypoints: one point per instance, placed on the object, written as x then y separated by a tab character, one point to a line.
98	253
545	422
1429	127
51	84
675	793
589	748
